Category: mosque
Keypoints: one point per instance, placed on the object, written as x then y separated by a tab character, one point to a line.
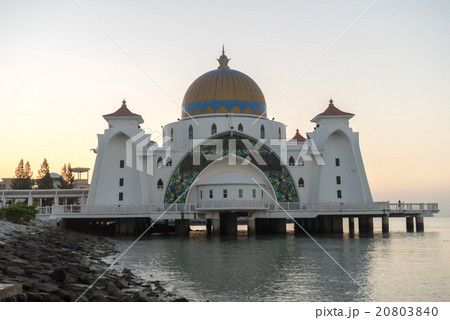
225	157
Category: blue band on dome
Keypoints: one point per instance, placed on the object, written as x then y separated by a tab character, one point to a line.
228	104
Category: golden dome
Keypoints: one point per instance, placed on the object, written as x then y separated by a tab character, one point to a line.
223	90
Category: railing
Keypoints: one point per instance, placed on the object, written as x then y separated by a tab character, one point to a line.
43	193
413	206
256	205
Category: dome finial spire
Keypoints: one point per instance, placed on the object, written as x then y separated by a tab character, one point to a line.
223	60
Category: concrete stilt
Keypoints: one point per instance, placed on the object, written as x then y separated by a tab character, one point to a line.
362	224
216	225
278	226
419	224
409	224
228	223
385	224
251	227
323	224
208	226
337	224
182	227
298	225
166	226
369	224
307	224
351	225
315	225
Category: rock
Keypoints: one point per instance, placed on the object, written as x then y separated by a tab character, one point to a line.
34	297
45	287
113	291
121	283
59	275
13	271
180	300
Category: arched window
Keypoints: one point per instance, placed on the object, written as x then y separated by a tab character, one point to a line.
240	127
291	161
301	183
171	135
279	133
159	163
160	184
169	162
213	129
263	132
191	132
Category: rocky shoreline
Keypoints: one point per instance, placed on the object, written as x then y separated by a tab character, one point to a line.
58	265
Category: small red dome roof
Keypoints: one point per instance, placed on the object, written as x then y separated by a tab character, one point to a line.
298	137
123	111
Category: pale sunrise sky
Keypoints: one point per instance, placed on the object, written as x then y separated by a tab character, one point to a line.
60	72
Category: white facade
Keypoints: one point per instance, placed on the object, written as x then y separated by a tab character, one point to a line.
335	140
132	170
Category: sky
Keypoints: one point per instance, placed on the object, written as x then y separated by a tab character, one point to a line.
64	64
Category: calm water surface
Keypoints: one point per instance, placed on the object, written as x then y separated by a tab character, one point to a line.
400	267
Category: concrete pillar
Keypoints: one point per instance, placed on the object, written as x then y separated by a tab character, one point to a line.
369	224
409	224
216	225
182	227
208	226
385	224
323	224
307	224
251	226
362	224
121	227
419	224
299	223
351	225
315	225
278	226
166	226
228	223
30	200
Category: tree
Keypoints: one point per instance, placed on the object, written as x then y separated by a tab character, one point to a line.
44	181
67	177
22	179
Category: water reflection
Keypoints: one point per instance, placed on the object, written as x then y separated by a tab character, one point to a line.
290	268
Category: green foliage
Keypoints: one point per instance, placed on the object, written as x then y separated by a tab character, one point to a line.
22	179
18	212
44	181
67	177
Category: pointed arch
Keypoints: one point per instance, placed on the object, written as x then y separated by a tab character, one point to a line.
171	134
213	129
191	132
159	163
301	183
240	127
263	132
291	161
160	184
